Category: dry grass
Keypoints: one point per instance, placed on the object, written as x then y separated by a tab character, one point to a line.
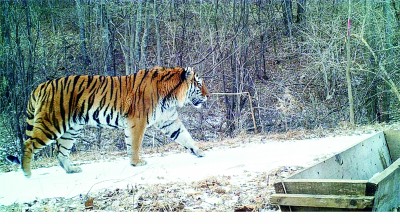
216	193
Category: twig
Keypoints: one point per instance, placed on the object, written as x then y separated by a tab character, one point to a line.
251	104
205	57
115	181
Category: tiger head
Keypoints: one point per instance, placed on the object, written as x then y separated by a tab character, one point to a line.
197	93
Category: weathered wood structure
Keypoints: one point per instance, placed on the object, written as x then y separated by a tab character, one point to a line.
365	177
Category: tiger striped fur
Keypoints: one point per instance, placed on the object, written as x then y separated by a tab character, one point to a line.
58	109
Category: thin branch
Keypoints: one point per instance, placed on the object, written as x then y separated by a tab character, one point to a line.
251	104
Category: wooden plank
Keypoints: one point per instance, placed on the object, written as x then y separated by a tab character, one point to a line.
359	162
385	174
319	209
387	194
323	201
393	141
322	186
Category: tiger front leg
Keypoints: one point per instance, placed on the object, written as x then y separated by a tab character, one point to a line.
65	163
177	132
134	134
64	146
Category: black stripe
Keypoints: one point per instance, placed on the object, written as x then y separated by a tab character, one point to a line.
116	120
175	134
146	72
80	85
91	99
71	107
29	127
62	110
54	82
108	120
102	101
38	140
183	75
108	112
163	102
111	88
65	148
90	79
96	116
76	78
65	138
120	84
75	115
155	74
144	76
46	131
86	118
167	125
104	85
134	81
167	76
55	122
94	84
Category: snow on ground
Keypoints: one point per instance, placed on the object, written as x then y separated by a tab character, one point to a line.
236	162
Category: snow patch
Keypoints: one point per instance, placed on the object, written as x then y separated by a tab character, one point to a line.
238	163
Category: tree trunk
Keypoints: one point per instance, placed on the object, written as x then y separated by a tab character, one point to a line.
138	31
301	9
287	16
182	43
372	100
29	70
82	35
157	32
18	80
396	11
348	78
132	41
53	23
143	47
106	38
388	56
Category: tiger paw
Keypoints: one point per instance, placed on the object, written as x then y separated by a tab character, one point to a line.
198	152
74	169
139	163
27	174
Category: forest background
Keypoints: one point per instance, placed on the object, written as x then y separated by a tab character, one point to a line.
273	65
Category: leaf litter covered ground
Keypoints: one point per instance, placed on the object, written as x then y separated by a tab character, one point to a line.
236	175
210	194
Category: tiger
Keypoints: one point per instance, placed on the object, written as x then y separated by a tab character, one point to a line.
58	109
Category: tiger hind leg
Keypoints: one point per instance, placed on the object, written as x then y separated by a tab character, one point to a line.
64	146
32	145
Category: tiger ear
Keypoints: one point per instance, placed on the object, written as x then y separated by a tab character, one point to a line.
188	73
